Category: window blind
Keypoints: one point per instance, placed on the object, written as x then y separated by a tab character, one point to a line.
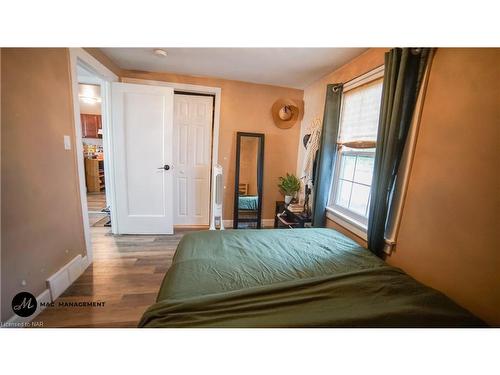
360	115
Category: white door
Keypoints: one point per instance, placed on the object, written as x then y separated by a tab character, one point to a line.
192	158
142	118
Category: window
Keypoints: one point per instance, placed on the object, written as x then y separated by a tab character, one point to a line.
350	192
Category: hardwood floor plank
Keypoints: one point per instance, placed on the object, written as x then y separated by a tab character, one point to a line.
126	275
162	269
142	299
96	201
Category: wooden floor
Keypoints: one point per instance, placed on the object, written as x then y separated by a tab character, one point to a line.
126	275
96	201
98	219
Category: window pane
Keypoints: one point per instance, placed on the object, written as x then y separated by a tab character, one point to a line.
343	193
359	199
347	166
364	170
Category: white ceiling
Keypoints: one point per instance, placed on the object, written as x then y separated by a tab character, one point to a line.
289	67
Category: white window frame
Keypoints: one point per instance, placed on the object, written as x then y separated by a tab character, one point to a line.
353	222
358	219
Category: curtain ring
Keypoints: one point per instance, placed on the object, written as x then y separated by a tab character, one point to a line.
335	88
416	51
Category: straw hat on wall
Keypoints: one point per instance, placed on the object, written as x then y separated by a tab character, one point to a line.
285	113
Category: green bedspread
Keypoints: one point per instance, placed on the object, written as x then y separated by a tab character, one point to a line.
292	278
248	202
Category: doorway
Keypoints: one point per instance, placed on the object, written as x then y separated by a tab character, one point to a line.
92	140
211	98
110	144
162	158
90	99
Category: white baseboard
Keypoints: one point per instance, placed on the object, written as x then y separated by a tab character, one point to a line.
85	263
57	283
17	321
265	223
67	275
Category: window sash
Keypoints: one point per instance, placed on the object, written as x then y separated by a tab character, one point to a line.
354	147
360	220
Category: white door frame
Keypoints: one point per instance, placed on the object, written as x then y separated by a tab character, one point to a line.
195	89
94	80
78	56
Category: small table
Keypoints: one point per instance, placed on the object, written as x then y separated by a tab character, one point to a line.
284	218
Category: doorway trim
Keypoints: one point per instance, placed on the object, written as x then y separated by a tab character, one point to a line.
195	89
79	57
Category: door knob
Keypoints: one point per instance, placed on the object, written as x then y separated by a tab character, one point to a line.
165	167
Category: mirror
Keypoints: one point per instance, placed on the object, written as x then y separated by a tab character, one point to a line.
248	180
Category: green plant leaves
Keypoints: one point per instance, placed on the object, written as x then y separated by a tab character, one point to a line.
289	185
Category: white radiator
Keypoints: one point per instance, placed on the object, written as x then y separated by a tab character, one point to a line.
217	199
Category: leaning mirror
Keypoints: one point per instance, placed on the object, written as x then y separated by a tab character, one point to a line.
248	180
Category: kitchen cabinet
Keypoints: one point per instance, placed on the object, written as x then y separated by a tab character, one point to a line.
91	124
94	175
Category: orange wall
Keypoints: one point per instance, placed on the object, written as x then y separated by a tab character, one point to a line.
247	107
450	224
42	225
314	101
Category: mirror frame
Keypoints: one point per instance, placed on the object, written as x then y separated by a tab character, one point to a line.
260	177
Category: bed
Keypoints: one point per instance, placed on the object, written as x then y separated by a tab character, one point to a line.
248	202
292	278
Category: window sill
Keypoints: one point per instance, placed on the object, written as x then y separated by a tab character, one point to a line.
351	225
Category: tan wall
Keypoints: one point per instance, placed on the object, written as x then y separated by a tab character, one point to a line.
450	219
247	107
315	93
314	105
450	224
42	225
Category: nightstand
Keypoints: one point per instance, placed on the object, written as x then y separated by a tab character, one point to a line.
284	218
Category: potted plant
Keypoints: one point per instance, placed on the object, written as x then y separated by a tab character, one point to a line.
289	186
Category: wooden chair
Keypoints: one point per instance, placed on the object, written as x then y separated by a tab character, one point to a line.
243	189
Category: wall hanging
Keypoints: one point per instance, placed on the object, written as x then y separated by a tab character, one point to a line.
285	113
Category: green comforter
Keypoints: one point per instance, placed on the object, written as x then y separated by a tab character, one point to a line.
292	278
248	202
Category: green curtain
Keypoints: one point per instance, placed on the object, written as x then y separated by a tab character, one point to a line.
403	73
326	153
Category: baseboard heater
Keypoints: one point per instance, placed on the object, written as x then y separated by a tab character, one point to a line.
67	275
57	284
